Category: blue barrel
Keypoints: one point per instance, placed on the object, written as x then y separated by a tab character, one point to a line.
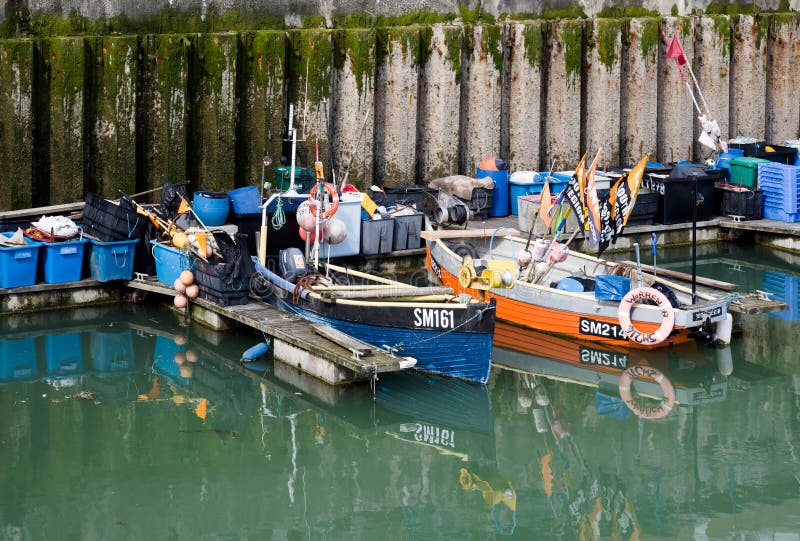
499	205
211	207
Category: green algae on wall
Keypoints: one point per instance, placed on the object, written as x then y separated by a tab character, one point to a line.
534	36
67	59
454	41
722	25
116	70
163	120
212	154
407	37
569	35
262	104
608	37
356	47
16	124
309	69
649	39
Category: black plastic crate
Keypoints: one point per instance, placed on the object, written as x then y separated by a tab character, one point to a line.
411	195
675	205
645	209
215	284
481	201
223	299
734	202
749	149
112	221
785	155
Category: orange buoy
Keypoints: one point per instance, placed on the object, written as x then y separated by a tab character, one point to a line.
180	301
187	277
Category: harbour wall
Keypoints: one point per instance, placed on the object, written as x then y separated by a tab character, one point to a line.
398	104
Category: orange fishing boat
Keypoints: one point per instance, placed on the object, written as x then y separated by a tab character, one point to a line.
574	294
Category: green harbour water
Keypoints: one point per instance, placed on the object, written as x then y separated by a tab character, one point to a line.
128	422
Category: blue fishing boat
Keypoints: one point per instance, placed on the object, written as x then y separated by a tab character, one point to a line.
446	334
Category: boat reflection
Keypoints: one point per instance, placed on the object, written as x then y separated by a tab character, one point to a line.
697	373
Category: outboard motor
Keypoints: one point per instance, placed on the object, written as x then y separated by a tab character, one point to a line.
292	264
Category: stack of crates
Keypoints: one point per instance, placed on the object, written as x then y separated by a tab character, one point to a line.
779	183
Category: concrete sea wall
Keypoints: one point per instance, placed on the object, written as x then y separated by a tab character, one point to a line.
398	104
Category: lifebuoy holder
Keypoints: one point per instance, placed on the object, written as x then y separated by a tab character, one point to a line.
312	195
646	372
638	295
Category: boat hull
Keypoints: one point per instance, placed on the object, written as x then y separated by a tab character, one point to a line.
550	310
449	339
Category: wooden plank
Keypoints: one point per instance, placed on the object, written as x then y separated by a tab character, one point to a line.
41	211
466	233
709	282
342	339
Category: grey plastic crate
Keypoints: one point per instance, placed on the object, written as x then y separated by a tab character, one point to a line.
376	236
406	231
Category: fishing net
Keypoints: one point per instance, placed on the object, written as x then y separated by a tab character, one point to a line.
171	199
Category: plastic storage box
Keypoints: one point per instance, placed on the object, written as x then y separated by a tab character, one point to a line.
18	264
777	154
781	186
675	201
63	261
407	231
350	213
112	260
170	262
744	171
377	236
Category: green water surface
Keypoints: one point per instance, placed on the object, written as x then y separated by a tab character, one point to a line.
131	423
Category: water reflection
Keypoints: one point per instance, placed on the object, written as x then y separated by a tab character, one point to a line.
135	424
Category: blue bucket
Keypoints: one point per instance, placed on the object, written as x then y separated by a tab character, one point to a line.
499	205
245	200
211	207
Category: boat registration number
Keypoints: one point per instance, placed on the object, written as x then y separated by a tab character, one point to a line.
601	328
597	357
701	315
431	317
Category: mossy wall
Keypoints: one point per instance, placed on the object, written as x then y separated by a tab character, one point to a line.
107	111
16	123
116	65
66	61
164	112
212	83
262	76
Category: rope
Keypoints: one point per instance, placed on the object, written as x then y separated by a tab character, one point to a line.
131	230
278	217
400	345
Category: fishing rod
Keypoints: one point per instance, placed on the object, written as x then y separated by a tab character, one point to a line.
352	155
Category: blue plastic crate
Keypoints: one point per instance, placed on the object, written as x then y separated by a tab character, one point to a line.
112	260
18	264
785	288
781	179
63	261
18	359
170	262
63	354
775	213
112	351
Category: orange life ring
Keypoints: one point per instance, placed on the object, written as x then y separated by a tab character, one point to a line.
334	200
647	372
640	294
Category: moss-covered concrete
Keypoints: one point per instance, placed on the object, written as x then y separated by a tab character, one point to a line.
262	91
212	87
67	61
309	69
16	124
163	121
357	48
116	65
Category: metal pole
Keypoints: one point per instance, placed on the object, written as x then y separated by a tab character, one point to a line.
694	237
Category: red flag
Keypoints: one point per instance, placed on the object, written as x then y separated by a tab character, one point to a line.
675	51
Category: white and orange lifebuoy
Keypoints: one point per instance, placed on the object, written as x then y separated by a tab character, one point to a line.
334	200
646	372
641	294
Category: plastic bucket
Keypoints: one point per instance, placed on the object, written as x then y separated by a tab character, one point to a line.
245	200
211	207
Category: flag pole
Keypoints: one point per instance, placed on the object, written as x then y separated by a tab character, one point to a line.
686	81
